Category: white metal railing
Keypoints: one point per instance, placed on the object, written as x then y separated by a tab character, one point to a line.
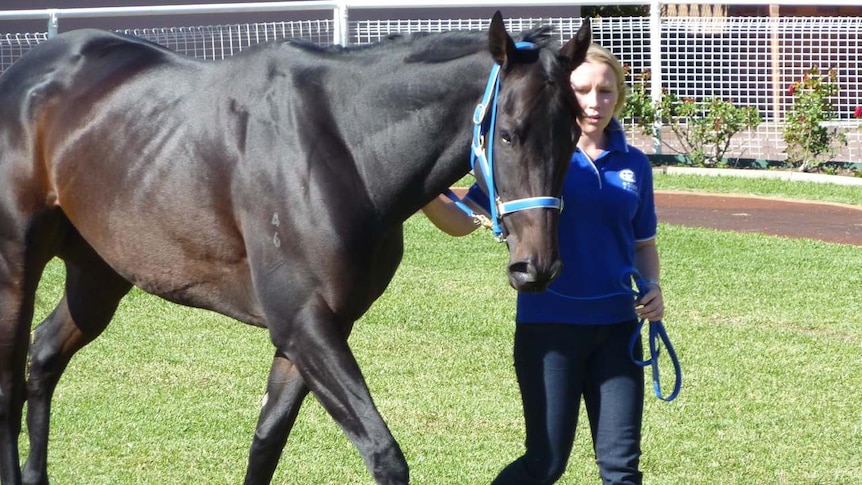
750	60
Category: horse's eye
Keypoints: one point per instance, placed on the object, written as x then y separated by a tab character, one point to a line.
506	137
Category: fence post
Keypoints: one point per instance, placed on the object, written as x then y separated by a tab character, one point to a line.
775	63
53	22
341	21
656	80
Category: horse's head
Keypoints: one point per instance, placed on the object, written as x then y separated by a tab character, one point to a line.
532	142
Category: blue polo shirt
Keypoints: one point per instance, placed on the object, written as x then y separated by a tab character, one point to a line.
608	207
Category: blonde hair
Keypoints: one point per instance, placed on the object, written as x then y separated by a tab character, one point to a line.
597	53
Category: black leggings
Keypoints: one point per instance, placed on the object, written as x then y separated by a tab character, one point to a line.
556	364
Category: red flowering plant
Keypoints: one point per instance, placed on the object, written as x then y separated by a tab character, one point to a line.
810	144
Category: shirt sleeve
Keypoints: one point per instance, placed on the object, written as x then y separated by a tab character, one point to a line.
646	222
478	196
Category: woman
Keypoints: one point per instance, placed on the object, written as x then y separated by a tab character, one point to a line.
572	341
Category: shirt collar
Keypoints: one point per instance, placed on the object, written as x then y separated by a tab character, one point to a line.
616	137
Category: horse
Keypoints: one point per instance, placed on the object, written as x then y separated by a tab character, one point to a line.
270	187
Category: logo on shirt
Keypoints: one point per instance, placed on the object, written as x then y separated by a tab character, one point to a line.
627	177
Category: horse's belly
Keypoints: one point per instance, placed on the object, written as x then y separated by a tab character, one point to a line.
184	254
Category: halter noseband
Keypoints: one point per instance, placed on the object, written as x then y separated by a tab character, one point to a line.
484	121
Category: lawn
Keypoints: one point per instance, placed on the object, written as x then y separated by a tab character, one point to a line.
767	330
826	192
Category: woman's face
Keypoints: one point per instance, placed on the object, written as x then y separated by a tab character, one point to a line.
595	86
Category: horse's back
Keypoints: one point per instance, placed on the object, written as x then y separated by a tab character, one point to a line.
188	176
180	173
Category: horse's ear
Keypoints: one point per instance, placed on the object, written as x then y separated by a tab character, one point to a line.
575	50
502	46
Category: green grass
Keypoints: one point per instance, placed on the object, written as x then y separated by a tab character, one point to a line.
826	192
767	330
724	184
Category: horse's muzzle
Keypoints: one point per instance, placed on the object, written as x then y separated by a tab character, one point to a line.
525	276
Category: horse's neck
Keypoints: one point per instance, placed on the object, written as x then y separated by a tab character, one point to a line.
418	143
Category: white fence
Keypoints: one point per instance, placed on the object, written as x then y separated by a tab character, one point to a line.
749	60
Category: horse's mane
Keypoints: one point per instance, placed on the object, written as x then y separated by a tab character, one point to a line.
427	47
539	35
459	43
312	47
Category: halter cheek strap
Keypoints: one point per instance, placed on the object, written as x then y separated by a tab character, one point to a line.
482	153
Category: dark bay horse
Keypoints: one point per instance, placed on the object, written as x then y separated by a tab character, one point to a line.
270	187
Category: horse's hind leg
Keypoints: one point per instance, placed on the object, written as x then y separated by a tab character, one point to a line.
27	243
92	293
16	312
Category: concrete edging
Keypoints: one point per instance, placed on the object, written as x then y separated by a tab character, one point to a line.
772	174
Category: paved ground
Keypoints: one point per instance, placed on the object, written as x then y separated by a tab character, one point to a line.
835	223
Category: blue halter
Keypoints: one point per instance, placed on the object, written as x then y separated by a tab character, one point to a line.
656	332
482	152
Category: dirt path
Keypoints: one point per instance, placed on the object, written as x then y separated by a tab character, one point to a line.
837	223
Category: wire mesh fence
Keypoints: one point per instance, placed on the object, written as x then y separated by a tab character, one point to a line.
214	42
750	61
13	46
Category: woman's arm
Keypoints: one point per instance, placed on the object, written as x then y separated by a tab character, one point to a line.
646	261
443	212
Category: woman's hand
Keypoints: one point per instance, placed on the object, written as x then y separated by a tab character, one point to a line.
651	305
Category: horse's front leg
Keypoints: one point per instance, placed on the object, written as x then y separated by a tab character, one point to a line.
316	342
284	395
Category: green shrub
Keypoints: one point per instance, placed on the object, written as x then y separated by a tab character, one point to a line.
704	129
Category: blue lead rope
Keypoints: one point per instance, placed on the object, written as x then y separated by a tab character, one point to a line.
656	332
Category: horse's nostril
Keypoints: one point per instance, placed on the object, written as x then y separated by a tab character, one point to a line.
525	271
526	277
